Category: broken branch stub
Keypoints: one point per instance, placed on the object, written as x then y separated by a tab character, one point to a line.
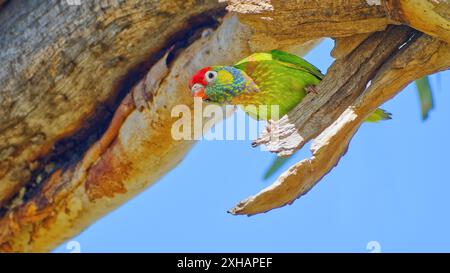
420	57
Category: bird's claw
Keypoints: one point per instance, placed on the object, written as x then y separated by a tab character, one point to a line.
311	89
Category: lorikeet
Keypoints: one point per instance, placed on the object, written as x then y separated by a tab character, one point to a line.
269	78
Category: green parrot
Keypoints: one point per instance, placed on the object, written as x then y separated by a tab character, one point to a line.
269	78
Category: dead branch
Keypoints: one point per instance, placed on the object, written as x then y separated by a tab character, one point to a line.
420	57
346	79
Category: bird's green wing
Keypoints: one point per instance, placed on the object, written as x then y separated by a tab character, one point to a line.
280	79
296	61
283	58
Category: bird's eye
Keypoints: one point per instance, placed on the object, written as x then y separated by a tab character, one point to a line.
210	76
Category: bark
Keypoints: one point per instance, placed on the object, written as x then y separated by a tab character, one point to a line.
72	144
134	152
67	66
59	92
288	21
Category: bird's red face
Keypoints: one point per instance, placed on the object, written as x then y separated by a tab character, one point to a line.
198	83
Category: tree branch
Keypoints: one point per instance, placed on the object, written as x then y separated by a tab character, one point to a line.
290	21
429	16
346	79
420	57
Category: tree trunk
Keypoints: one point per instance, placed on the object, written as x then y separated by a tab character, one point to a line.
73	146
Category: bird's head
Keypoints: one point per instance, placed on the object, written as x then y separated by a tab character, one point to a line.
217	84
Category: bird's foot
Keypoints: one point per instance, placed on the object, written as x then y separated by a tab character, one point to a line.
311	89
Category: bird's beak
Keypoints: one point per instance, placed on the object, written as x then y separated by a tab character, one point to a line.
198	91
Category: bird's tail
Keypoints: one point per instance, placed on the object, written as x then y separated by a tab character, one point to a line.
378	115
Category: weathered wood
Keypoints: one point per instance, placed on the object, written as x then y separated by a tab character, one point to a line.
343	46
346	79
288	21
135	151
65	66
421	57
429	16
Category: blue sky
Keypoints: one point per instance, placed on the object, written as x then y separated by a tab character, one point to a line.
392	187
